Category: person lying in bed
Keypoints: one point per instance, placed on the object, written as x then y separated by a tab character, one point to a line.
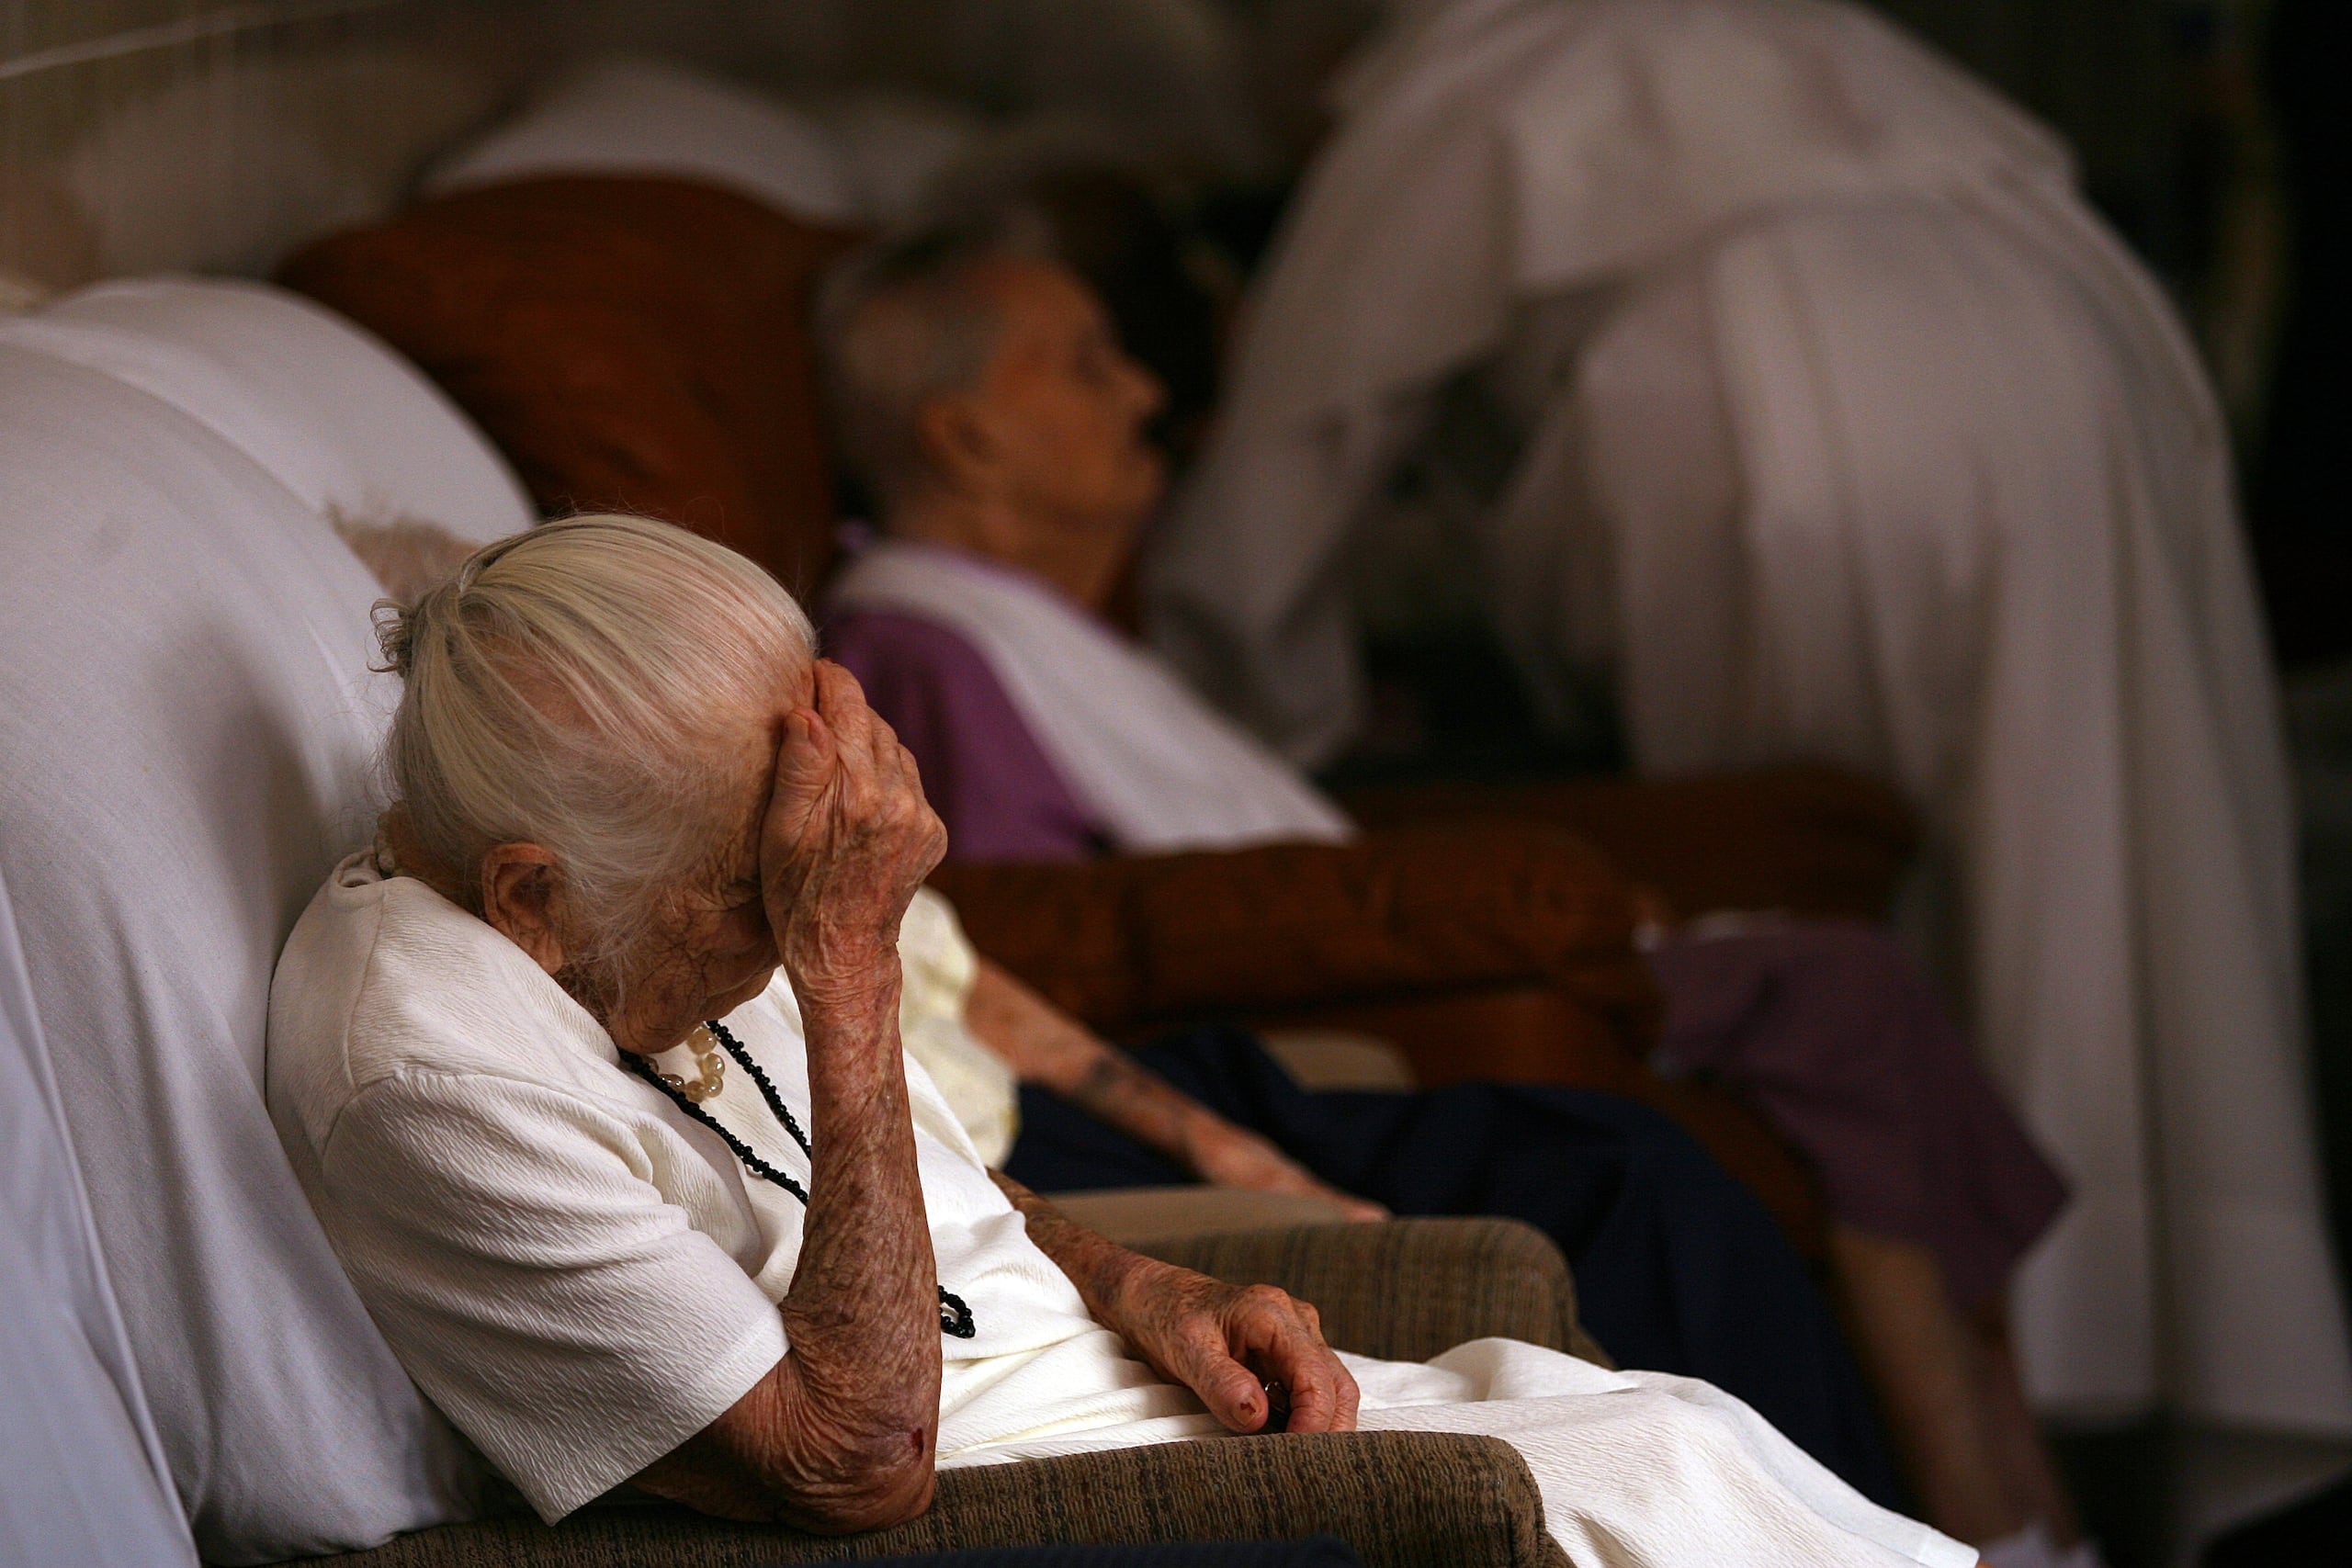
982	397
591	1069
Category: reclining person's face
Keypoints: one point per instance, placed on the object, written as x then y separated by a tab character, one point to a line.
1056	423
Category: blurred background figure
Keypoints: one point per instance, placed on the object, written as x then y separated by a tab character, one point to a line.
980	395
1781	376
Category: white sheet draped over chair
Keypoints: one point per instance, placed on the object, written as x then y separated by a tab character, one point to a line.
1850	435
188	736
82	1477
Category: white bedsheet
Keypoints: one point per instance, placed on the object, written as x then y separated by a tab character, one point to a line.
329	411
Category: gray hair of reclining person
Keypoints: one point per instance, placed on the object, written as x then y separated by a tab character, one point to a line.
880	365
788	1288
977	388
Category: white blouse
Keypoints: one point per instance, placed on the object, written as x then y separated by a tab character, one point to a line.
940	966
578	1274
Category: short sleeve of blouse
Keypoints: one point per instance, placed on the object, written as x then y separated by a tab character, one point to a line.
512	1245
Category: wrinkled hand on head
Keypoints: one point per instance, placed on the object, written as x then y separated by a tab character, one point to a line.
847	838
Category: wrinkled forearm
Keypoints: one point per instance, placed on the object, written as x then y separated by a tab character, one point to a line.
1117	1090
841	1434
862	1313
1104	1271
1037	1041
1043	1046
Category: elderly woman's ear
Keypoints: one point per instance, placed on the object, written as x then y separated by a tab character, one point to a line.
958	450
520	884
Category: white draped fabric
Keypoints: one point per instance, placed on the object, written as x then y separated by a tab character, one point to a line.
1851	433
328	411
187	736
83	1476
629	115
1160	768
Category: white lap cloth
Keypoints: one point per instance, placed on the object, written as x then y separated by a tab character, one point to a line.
582	1277
1162	769
1635	1469
1850	434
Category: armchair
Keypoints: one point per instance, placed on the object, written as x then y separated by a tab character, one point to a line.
1402	1290
204	704
1488	949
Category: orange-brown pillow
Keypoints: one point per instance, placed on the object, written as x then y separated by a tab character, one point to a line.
1134	940
1816	840
633	343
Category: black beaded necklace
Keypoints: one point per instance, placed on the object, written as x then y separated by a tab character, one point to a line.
954	1317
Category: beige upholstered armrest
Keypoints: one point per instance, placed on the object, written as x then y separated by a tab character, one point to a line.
1405	1290
1135	1215
1341	1059
1401	1499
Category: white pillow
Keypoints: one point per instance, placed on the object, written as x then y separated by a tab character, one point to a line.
896	145
330	412
187	732
629	115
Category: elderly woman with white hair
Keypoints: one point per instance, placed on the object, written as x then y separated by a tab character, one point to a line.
592	1068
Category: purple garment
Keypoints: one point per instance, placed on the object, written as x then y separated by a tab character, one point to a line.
999	795
1844	1046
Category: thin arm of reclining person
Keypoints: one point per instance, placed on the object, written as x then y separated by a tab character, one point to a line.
1044	1045
841	1434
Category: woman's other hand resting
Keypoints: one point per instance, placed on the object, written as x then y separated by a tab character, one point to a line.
1253	1354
